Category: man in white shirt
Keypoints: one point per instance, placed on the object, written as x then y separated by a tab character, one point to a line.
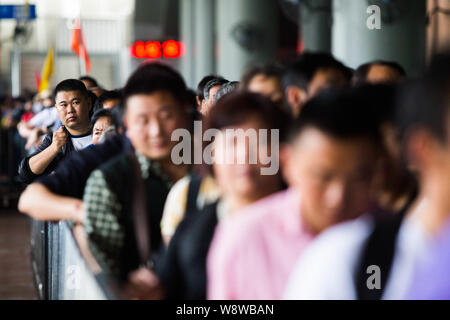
330	269
73	107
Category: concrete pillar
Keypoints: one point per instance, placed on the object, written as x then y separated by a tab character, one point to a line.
246	35
16	70
204	39
187	63
401	37
315	25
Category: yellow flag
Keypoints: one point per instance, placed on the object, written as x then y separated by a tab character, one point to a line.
47	71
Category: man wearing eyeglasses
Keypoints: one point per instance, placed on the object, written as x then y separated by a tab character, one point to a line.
73	106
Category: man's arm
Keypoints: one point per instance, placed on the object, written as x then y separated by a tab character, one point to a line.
39	162
80	236
38	202
69	178
25	129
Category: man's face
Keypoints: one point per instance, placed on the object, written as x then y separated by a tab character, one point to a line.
73	109
333	177
150	120
267	86
324	79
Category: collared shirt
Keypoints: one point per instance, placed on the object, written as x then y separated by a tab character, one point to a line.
254	250
81	141
103	212
326	270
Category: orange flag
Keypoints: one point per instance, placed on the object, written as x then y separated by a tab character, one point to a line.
78	46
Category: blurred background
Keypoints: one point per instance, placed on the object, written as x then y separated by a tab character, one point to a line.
209	36
43	42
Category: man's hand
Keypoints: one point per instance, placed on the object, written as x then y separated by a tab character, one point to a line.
59	139
143	284
33	138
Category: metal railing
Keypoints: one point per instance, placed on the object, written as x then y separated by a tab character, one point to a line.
60	272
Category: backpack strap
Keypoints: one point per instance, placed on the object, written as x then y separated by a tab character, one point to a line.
140	219
194	188
379	250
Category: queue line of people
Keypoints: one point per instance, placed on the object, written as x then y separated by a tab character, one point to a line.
363	182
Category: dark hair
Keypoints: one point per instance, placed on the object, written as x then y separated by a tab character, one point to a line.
201	85
109	95
225	89
303	69
90	79
360	74
237	107
155	76
71	85
213	83
268	70
104	113
425	102
342	114
380	100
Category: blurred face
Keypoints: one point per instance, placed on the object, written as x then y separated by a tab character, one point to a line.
243	182
109	104
430	156
333	177
324	79
73	109
382	74
210	102
150	120
28	106
99	127
267	86
48	102
88	84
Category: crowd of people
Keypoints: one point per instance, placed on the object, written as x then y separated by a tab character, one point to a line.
359	207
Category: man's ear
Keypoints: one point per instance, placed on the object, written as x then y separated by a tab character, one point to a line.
295	97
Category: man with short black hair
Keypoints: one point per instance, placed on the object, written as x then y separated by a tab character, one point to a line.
200	98
378	71
209	93
92	85
154	99
73	107
109	99
309	74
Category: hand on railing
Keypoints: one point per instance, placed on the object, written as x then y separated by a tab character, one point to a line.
82	242
143	284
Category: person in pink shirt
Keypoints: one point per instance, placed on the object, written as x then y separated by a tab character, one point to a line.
330	163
